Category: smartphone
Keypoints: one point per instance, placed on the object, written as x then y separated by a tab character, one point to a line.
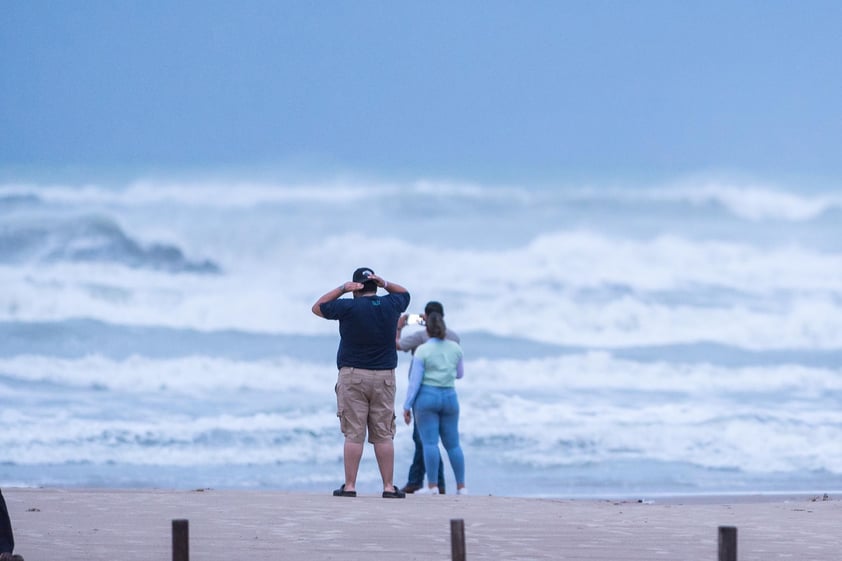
414	319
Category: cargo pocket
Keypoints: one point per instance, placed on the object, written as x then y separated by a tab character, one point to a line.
348	396
390	388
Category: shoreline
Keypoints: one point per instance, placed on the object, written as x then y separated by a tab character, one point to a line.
53	524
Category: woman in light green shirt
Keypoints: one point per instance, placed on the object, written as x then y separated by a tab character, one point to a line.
431	395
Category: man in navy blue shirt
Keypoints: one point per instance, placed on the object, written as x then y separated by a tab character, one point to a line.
366	359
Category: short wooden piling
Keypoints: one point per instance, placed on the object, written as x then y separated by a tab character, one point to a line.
180	541
457	539
727	543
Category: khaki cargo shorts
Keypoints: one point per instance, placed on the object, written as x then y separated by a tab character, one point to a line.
366	399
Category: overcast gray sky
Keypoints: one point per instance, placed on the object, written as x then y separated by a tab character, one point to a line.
476	89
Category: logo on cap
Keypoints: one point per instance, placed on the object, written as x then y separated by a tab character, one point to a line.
362	274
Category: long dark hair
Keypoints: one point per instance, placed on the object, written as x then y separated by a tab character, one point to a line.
435	325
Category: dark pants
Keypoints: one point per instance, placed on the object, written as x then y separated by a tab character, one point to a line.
416	470
7	540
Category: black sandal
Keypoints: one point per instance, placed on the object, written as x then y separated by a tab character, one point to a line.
341	492
396	494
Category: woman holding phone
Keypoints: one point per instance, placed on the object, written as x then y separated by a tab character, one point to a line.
431	395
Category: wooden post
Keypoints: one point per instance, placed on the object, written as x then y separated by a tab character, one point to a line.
180	541
457	539
727	543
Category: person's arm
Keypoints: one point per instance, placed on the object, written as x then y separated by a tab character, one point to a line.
460	369
416	375
401	325
334	294
390	287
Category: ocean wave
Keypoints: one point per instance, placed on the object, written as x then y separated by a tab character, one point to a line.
175	441
755	439
196	374
79	338
83	337
89	239
541	378
578	267
609	371
758	203
690	328
752	201
580	409
564	288
14	201
219	193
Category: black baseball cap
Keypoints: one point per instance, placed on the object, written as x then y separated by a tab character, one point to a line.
362	274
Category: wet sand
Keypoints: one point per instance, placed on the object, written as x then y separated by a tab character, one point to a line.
54	524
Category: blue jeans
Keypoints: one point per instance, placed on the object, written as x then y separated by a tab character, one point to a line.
437	416
417	470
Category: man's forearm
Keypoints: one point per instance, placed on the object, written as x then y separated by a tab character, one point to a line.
393	288
328	297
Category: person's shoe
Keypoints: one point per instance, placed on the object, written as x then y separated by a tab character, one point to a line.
427	491
410	488
341	492
441	490
396	494
462	491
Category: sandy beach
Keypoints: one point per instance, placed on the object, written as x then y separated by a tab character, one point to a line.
128	525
